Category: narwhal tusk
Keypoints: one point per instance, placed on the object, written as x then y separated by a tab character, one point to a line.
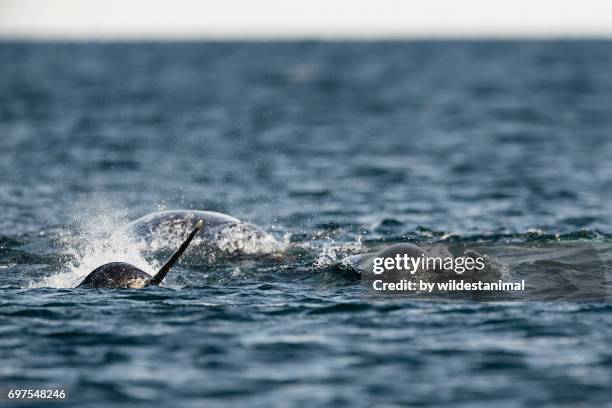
161	274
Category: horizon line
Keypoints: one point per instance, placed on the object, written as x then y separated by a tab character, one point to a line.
555	36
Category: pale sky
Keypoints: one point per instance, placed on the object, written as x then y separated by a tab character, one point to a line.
185	19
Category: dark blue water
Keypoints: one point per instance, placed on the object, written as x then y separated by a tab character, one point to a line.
335	149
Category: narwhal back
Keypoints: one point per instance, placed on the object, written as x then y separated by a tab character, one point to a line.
116	275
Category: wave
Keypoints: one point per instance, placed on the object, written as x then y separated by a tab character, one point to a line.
62	257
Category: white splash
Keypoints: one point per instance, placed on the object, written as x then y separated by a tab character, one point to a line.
333	253
99	237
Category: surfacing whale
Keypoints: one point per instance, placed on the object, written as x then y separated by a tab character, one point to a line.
364	263
124	275
223	233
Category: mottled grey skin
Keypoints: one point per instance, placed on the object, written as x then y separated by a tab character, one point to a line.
187	219
364	263
222	232
116	275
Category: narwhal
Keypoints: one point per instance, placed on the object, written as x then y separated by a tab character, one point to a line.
223	235
125	275
364	263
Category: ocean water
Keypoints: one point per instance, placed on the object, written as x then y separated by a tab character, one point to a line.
336	149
